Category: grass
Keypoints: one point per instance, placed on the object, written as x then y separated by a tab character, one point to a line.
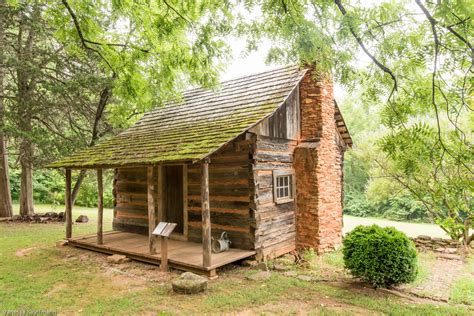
463	289
411	229
74	281
425	262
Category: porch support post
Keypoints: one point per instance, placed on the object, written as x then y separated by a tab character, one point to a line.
164	254
159	193
100	207
206	214
151	211
68	204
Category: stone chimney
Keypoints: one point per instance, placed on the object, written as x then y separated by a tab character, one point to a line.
318	164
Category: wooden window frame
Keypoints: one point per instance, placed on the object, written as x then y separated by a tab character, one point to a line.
285	172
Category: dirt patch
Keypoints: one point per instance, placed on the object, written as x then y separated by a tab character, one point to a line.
56	288
124	282
25	251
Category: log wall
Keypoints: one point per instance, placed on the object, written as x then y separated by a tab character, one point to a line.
230	180
229	194
130	200
275	231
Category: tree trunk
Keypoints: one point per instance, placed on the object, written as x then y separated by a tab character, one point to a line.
26	185
467	238
24	98
5	193
105	95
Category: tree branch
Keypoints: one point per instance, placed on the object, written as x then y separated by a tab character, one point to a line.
379	64
81	34
178	13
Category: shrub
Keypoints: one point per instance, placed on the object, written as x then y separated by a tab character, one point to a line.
381	256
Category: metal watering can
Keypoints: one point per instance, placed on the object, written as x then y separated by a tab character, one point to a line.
222	244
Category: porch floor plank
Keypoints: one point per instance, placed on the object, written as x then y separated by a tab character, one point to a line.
182	255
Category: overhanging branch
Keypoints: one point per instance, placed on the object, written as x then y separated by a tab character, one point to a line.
359	40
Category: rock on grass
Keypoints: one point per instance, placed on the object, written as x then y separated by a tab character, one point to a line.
189	283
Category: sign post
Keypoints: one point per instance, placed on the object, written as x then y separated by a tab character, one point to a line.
164	230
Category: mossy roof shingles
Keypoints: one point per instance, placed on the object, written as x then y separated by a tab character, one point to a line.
195	127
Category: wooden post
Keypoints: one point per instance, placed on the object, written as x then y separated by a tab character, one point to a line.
164	254
159	193
68	205
100	206
206	214
185	201
151	211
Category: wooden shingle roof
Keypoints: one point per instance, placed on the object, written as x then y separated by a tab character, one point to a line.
341	126
194	128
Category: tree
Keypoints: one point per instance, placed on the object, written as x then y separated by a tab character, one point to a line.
144	53
5	194
413	49
50	91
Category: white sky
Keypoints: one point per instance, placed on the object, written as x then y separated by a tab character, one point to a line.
246	64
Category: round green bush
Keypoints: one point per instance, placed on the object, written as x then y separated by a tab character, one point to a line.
381	256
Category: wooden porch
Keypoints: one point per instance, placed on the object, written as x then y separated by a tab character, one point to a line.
182	255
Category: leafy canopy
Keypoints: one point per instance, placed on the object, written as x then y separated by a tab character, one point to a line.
152	49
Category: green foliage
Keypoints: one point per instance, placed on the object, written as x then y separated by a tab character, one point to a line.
399	208
87	195
153	48
382	256
309	254
48	188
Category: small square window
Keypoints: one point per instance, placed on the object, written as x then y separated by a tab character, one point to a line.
283	186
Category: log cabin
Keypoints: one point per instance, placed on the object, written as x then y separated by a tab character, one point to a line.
260	158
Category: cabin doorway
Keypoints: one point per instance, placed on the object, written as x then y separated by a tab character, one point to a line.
173	197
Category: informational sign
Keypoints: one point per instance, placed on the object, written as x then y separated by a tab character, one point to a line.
164	229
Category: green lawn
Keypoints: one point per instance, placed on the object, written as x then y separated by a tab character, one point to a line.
411	229
463	289
36	275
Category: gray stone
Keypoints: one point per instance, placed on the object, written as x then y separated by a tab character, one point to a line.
280	267
451	250
115	259
189	283
305	278
423	237
62	243
449	256
259	276
82	219
292	274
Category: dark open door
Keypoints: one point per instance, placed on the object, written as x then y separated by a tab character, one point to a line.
173	196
